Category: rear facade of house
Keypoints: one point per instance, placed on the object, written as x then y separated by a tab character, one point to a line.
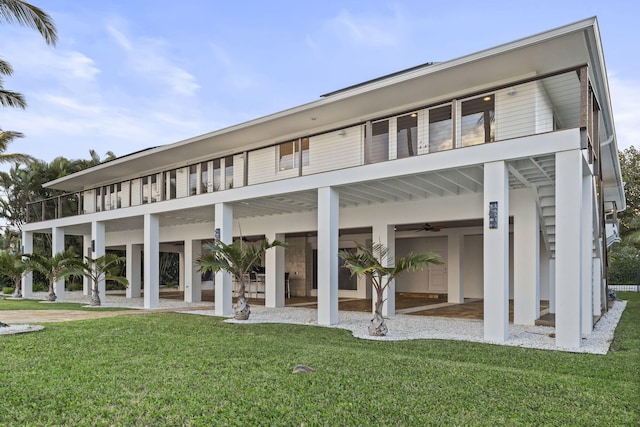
504	162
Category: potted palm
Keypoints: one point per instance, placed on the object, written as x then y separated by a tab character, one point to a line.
238	259
60	266
371	260
105	267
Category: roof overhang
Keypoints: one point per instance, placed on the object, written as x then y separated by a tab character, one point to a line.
565	47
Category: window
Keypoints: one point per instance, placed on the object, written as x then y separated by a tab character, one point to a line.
119	195
228	172
172	181
217	175
440	129
290	152
193	180
153	188
478	121
377	146
99	199
204	180
145	189
407	135
286	152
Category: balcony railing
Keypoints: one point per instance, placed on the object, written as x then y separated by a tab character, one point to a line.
556	101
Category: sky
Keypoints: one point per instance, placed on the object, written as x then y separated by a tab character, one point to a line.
132	74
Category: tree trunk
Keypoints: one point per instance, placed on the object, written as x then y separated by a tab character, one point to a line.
95	297
51	296
241	309
377	327
17	284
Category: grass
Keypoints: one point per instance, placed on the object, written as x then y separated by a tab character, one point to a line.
173	369
29	304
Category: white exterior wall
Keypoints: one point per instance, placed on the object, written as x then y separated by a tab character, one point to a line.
182	182
136	192
262	166
238	171
89	202
335	150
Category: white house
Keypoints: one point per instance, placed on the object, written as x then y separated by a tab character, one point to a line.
503	161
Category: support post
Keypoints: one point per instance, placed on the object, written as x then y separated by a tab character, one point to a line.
455	268
134	273
496	252
222	285
587	252
57	245
274	273
385	234
526	259
151	261
328	220
27	279
569	249
192	275
98	250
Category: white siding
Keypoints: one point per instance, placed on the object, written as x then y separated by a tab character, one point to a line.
125	194
182	182
335	150
238	170
262	165
136	192
89	202
544	110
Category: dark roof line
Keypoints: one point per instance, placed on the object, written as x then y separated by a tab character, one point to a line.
377	79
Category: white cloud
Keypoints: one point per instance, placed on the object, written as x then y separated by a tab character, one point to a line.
626	111
146	57
237	76
371	31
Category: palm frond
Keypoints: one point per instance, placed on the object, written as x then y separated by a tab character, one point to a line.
27	15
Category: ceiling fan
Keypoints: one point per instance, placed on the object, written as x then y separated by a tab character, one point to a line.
426	227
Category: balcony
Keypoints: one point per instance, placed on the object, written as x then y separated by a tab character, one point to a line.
521	108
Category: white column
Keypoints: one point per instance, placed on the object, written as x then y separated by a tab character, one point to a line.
274	273
568	248
98	250
151	261
57	245
526	259
597	283
385	234
552	285
455	268
27	279
134	256
223	287
587	253
86	251
328	220
183	266
496	252
192	275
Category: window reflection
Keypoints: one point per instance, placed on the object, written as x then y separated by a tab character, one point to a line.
407	135
440	129
478	121
377	149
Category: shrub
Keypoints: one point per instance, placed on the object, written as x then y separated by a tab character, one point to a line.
7	290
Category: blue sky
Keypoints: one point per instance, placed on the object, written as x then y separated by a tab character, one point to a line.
127	75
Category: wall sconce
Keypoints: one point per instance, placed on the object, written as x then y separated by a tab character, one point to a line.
342	132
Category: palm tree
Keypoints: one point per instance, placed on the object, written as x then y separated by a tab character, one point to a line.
60	266
370	260
105	267
238	259
13	266
5	138
22	13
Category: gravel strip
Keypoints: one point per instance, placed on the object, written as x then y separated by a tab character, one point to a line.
405	327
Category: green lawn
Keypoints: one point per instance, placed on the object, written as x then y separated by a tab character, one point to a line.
173	369
29	304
